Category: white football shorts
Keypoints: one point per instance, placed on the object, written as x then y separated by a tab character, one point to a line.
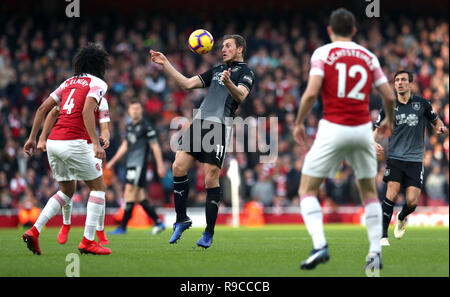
335	143
73	160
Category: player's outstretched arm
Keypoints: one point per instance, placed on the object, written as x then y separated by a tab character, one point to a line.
154	145
48	125
181	80
123	148
388	97
89	123
104	134
378	147
43	109
306	104
440	127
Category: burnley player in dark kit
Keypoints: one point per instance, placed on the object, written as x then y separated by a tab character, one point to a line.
229	85
404	162
140	141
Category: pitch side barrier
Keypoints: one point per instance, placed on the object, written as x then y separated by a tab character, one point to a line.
423	216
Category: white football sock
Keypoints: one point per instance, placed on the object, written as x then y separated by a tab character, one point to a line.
52	207
101	219
67	212
374	223
95	205
313	218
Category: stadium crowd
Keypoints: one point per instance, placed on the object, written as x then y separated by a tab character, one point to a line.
35	57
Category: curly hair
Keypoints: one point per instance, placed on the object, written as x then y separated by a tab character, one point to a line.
91	59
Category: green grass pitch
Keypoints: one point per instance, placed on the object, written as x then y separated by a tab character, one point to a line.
247	252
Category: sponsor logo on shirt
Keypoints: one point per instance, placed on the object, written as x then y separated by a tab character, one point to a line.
248	78
217	76
411	119
132	137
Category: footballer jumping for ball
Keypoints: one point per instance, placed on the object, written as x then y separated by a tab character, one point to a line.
229	85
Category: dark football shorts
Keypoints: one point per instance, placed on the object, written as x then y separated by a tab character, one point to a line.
136	176
406	173
206	141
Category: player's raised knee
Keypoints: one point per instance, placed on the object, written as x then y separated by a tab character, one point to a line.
178	168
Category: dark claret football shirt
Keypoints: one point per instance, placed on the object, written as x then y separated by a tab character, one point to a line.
407	140
138	137
218	103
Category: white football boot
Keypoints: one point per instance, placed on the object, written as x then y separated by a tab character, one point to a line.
384	241
399	229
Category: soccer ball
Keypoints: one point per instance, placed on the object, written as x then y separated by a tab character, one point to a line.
200	41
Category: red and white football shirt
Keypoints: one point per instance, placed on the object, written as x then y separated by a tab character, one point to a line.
102	112
71	96
349	71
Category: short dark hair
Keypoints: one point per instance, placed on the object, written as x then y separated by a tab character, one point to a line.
410	75
134	101
342	22
239	40
91	59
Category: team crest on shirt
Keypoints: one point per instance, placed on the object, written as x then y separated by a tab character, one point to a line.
416	105
235	69
97	166
387	172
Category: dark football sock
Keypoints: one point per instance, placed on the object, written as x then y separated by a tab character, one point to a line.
150	210
180	195
213	197
388	209
406	210
127	214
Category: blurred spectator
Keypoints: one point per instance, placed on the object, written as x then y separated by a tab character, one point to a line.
28	213
435	186
263	190
5	200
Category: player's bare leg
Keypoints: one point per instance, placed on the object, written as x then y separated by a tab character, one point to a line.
313	218
213	198
53	206
388	203
96	204
374	218
183	161
67	188
412	200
